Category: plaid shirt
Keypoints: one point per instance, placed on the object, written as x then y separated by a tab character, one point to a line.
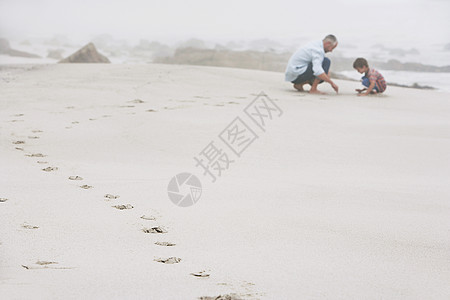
374	75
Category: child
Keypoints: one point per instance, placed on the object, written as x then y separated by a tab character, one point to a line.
372	79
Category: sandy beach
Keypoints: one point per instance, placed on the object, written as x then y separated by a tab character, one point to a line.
339	197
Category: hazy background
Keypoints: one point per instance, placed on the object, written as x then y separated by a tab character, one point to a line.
400	22
138	31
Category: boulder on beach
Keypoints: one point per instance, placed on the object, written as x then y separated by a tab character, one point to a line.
87	54
55	54
5	48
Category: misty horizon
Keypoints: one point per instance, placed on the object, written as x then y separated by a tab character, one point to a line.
399	23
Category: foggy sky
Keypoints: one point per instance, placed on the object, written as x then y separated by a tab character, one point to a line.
382	21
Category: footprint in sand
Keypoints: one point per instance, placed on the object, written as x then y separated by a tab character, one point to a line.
170	260
151	110
156	229
70	107
42	162
33	137
35	155
166	244
18	142
76	177
50	169
149	218
44	265
28	226
19	148
126	106
18	115
75	122
136	101
86	187
111	197
3	200
36	131
200	274
123	206
222	297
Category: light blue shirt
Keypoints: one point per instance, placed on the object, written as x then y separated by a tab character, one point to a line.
298	63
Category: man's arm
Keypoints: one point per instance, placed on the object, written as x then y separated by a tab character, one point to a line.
327	78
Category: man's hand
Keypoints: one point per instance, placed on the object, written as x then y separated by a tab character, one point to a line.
335	87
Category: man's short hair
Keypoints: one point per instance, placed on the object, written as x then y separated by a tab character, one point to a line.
360	62
330	38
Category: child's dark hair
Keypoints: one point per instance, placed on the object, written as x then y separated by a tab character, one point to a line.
360	62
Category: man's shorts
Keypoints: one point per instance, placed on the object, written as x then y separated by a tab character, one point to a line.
308	75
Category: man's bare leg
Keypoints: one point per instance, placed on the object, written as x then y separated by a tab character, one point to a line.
299	86
314	89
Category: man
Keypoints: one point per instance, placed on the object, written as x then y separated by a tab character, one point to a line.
310	66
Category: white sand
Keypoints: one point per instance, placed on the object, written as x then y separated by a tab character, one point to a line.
342	198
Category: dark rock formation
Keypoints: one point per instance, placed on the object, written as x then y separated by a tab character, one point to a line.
5	48
87	54
271	61
55	54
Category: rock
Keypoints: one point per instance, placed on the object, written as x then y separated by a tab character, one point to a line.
55	54
5	48
87	54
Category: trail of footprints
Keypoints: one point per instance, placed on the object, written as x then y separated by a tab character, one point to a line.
153	230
